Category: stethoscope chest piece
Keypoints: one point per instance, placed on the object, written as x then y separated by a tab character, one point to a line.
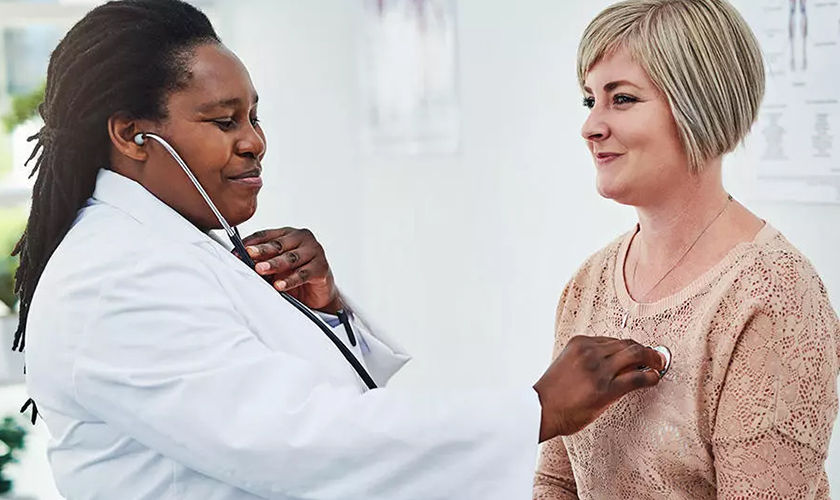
667	353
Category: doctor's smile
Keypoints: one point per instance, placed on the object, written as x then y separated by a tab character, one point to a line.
250	179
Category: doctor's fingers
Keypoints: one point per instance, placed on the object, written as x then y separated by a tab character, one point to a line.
610	344
631	381
266	235
315	271
599	347
266	244
275	242
289	260
634	357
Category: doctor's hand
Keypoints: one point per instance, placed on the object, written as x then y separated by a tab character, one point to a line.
296	263
589	375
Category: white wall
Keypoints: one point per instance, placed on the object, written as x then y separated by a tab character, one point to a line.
461	257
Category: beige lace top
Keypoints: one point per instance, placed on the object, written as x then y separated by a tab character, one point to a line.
747	408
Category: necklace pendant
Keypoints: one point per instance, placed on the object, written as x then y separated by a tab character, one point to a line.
624	319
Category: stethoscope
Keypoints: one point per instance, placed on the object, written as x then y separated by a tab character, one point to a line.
239	251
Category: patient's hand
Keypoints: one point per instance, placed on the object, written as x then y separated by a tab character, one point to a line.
296	263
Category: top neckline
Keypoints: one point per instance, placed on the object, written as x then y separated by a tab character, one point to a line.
766	233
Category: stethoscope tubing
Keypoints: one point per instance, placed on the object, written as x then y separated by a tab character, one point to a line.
243	256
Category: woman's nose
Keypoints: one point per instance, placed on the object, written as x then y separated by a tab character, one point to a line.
595	127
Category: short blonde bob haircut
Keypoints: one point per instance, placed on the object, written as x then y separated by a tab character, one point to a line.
702	56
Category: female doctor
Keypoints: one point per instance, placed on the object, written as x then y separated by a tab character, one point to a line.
165	368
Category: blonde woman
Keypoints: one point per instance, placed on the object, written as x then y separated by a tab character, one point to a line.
747	408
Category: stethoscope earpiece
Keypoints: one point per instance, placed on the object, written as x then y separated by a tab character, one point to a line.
139	139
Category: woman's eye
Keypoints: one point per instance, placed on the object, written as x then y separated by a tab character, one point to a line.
255	121
589	102
225	123
623	99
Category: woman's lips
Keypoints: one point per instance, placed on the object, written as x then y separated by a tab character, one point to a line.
606	158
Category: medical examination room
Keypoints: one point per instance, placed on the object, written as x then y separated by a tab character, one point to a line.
419	249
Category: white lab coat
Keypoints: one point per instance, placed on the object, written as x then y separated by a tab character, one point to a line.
166	369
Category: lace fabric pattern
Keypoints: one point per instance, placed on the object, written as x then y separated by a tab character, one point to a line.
746	410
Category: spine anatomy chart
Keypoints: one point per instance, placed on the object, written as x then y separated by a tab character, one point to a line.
794	145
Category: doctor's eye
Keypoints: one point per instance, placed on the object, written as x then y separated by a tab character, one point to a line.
225	123
589	102
255	121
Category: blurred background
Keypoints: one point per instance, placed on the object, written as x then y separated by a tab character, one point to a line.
433	147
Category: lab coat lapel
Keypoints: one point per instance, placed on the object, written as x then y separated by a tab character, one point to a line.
132	198
128	196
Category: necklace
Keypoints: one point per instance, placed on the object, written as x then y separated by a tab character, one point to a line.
677	263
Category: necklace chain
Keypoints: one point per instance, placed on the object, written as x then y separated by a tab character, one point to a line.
678	261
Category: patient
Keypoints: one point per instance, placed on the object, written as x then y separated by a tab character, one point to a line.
747	408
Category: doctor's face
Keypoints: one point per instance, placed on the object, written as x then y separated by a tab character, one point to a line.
631	132
212	123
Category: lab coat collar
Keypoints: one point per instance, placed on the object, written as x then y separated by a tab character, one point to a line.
132	198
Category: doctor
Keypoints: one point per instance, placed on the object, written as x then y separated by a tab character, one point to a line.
164	368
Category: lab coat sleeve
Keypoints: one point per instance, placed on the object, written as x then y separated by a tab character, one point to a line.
171	363
383	355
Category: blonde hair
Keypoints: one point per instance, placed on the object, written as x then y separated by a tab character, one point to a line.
700	53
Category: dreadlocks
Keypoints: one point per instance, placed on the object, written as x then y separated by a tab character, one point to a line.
124	57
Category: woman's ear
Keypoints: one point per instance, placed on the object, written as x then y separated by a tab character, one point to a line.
122	130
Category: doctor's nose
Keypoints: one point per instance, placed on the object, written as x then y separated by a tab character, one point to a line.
252	143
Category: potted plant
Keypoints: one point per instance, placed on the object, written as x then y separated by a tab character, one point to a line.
12	441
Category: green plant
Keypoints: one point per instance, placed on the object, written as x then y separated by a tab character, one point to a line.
24	107
5	154
12	437
13	221
12	224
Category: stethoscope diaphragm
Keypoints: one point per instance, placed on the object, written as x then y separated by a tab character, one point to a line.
667	353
